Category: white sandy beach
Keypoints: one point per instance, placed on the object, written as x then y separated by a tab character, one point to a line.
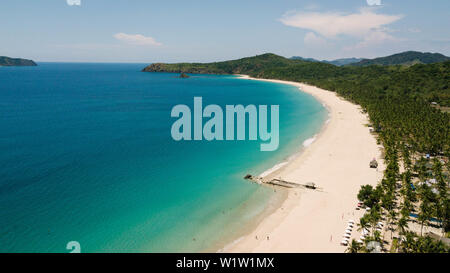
338	162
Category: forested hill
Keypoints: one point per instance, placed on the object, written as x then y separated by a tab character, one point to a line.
427	82
338	62
405	58
250	65
6	61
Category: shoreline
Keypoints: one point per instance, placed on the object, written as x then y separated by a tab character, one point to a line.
309	221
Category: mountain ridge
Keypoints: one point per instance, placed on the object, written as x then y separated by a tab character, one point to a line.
405	58
337	62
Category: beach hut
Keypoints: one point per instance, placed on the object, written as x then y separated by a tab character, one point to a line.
373	164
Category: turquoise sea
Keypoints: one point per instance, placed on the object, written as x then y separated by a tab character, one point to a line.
86	155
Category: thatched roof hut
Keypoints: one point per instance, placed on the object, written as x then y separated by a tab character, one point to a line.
373	164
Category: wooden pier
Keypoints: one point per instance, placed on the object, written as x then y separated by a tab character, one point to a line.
280	182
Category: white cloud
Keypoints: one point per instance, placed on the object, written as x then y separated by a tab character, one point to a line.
312	39
365	25
136	39
74	2
333	24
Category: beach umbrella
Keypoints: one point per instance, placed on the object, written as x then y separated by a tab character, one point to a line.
346	236
351	221
348	230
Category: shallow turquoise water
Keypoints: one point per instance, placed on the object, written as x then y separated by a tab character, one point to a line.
87	156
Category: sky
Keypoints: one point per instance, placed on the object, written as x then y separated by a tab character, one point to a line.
214	30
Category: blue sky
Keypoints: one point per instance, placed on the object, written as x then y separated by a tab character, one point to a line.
211	30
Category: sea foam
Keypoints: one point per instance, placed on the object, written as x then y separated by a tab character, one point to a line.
309	141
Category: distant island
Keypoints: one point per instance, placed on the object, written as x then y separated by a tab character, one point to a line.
7	61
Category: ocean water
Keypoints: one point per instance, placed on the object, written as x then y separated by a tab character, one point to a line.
86	155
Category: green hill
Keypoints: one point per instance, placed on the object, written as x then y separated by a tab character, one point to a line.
428	82
405	58
248	65
6	61
304	59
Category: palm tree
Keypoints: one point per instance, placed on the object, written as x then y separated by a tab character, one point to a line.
408	242
426	204
373	218
392	216
402	225
353	247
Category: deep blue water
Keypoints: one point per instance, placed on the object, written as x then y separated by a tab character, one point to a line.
87	155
